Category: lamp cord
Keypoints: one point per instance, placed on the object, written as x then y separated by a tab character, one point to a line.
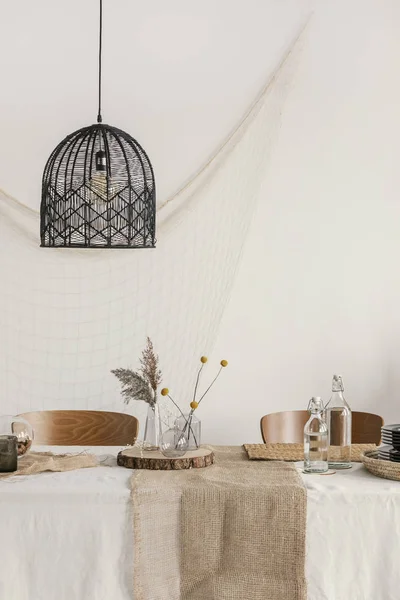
99	117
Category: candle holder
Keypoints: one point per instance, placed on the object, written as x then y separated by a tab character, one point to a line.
8	453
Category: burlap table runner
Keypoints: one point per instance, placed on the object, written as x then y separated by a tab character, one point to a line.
38	462
232	531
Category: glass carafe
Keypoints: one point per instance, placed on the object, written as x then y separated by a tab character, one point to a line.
315	439
338	420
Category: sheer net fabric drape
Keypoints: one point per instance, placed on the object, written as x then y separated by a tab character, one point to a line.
69	316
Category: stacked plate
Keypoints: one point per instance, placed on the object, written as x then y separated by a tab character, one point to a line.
390	437
389	453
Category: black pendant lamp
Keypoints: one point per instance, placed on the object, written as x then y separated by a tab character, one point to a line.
98	189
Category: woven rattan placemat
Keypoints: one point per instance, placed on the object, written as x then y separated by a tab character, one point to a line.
295	452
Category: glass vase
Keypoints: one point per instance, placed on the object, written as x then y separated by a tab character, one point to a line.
21	429
173	443
152	430
191	428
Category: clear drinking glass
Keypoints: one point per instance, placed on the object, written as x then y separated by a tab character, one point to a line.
338	420
315	439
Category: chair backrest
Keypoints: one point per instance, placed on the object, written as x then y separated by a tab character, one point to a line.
82	428
287	427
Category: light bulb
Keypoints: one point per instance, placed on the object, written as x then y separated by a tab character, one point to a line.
99	189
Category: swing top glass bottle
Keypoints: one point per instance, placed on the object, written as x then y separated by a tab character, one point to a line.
338	420
315	439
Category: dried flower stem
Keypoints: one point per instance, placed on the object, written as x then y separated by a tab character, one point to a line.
142	385
197	381
149	367
186	421
134	386
175	404
189	419
211	384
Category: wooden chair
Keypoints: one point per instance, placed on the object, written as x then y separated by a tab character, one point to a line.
287	427
82	428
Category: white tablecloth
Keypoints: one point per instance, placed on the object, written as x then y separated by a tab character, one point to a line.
353	536
68	536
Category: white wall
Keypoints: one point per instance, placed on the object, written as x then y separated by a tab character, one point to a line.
317	290
177	76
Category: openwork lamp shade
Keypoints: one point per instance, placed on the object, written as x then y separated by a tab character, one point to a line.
98	188
98	191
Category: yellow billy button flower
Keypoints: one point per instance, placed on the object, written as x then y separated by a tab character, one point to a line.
194	404
224	363
204	359
164	392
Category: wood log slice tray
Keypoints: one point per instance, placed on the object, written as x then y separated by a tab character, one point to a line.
135	458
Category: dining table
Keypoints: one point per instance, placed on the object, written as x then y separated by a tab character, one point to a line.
69	535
